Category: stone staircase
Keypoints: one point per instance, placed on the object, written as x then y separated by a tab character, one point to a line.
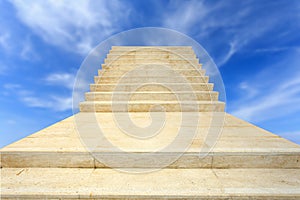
159	71
244	161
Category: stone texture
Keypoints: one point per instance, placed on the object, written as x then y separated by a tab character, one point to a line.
246	162
33	183
240	145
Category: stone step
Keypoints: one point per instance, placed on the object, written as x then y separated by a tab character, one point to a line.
158	80
151	56
240	144
151	95
144	48
151	61
152	87
151	52
146	106
187	160
175	66
153	49
154	72
66	183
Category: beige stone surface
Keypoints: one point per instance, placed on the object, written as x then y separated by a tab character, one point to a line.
155	72
156	62
173	65
109	79
152	87
152	49
240	144
166	55
156	95
167	183
145	106
212	154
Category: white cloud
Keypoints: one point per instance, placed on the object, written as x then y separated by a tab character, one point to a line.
3	68
36	102
11	86
11	122
4	41
27	51
61	79
274	104
62	103
183	15
73	25
203	19
294	136
54	103
276	49
232	50
265	97
29	98
249	91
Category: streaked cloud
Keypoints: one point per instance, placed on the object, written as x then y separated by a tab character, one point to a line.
11	86
55	103
202	19
27	51
4	41
61	79
73	25
50	101
183	15
272	93
3	68
292	135
277	49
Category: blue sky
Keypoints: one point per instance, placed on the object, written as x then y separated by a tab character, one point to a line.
255	44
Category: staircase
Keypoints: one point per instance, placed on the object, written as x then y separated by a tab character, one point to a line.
154	87
151	76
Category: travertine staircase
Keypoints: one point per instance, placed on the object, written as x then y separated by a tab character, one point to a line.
246	162
157	66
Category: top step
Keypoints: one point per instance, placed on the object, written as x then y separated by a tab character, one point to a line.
160	55
151	49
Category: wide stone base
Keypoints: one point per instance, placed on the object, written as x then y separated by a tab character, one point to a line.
240	144
66	183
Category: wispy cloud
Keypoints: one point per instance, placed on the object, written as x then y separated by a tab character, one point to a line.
11	86
232	50
61	79
73	25
55	103
202	19
4	41
11	121
3	68
183	15
264	98
276	49
248	89
27	51
277	103
292	135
